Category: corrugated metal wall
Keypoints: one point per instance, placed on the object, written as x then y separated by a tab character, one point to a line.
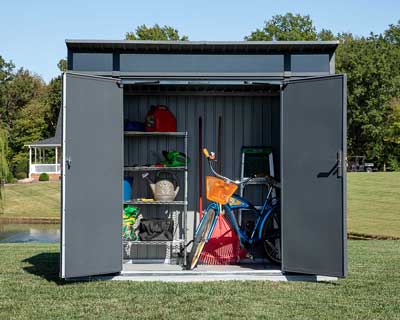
246	121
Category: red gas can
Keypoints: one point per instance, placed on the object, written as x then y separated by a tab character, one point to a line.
160	119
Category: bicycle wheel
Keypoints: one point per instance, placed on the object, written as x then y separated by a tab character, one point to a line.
271	237
200	238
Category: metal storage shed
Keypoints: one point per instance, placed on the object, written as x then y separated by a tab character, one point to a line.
285	94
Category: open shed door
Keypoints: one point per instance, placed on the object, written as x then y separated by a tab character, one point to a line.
91	176
313	175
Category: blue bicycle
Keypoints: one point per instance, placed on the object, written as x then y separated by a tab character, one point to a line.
266	228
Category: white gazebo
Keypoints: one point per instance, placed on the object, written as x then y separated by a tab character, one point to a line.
37	155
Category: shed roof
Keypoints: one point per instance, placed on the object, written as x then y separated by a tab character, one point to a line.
53	141
202	46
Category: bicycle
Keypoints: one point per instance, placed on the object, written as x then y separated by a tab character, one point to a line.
220	190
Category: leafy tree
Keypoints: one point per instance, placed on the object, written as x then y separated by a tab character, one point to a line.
392	136
18	91
326	35
155	33
286	27
392	34
53	102
3	161
30	125
373	80
22	87
62	65
6	74
6	69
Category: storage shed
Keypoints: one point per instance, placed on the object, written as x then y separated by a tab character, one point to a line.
280	94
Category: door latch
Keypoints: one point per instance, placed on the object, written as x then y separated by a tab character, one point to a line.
68	162
339	164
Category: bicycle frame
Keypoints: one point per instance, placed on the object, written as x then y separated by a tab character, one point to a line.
237	202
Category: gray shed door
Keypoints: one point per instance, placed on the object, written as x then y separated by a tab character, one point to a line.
313	148
92	176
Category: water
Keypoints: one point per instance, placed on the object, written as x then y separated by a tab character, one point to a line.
29	233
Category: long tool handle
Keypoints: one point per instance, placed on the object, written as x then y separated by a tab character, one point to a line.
201	167
219	148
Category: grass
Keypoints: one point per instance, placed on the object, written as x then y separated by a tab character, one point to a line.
32	200
374	203
30	289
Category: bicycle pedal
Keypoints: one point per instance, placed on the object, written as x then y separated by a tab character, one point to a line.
249	256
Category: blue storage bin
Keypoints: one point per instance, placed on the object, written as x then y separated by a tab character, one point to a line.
128	188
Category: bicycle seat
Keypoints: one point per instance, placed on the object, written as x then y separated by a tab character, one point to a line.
271	180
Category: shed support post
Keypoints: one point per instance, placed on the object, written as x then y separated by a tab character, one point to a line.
30	162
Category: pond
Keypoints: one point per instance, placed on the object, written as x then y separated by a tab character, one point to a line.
29	233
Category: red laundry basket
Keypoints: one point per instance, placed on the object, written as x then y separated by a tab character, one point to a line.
223	247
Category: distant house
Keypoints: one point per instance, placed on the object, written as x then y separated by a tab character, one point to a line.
39	163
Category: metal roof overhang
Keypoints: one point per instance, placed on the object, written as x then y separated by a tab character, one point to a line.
203	46
43	145
197	82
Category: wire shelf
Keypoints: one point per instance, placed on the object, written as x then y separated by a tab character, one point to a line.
147	168
153	243
154	134
169	203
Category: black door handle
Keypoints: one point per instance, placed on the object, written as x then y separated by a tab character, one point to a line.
339	164
68	162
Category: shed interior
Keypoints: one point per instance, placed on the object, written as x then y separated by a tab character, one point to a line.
243	115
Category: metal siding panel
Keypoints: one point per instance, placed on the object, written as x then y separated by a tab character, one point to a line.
312	193
92	185
217	63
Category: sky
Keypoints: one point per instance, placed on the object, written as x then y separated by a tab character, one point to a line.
32	32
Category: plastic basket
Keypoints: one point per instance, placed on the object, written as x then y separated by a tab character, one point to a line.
218	190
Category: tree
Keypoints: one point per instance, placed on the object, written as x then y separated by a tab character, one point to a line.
286	27
326	35
6	74
392	35
6	69
30	125
62	65
392	136
155	33
22	87
3	160
53	102
373	80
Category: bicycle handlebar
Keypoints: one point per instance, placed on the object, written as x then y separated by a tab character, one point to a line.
211	157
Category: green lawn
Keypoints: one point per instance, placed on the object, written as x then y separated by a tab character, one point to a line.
32	200
374	203
30	289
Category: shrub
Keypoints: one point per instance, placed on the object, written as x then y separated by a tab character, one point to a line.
394	164
44	177
10	178
21	175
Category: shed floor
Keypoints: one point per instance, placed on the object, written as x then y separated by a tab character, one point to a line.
175	273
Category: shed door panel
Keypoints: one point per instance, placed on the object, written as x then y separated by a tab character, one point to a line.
92	176
313	187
